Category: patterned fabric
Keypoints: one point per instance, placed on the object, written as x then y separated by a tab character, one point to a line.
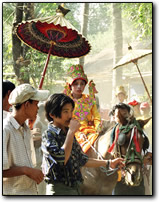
56	30
54	156
76	72
87	113
18	150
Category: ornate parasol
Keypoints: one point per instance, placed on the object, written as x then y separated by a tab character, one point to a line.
133	56
54	36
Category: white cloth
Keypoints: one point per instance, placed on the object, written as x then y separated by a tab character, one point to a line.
5	114
18	150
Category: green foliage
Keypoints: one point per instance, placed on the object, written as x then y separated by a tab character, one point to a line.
137	21
99	18
140	14
8	13
100	41
44	9
74	16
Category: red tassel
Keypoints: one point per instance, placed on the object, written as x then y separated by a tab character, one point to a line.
111	148
136	142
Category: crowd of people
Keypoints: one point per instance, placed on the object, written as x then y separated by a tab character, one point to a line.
45	158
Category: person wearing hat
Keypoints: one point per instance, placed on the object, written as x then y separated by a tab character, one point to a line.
121	94
121	97
19	175
85	106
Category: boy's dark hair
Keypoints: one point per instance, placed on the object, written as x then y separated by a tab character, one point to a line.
55	103
121	106
7	85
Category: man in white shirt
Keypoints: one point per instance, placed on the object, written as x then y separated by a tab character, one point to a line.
19	175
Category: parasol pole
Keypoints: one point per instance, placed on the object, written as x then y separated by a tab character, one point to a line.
135	62
45	68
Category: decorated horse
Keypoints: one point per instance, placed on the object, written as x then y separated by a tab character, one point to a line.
127	140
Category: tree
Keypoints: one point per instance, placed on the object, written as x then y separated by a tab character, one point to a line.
84	26
140	15
99	34
118	44
16	43
27	63
19	50
99	18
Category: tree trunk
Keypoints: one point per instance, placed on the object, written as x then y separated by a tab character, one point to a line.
16	43
19	50
118	45
84	26
29	14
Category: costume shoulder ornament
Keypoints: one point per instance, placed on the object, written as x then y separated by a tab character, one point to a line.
92	91
67	89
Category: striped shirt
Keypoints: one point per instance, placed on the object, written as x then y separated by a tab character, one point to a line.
18	150
54	156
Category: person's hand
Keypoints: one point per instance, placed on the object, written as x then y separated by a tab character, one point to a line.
118	162
34	174
74	125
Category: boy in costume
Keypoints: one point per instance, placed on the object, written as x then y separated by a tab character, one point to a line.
85	106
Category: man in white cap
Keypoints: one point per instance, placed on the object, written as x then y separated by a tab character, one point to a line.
19	175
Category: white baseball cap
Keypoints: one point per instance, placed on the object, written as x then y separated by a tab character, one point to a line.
25	92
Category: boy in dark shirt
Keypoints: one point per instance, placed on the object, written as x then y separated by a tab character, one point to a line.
62	155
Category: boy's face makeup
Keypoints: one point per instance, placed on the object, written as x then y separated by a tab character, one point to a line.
78	86
66	116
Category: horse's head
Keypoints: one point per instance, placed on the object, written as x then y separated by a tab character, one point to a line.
131	151
129	142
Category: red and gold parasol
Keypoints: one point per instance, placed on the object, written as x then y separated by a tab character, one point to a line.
54	36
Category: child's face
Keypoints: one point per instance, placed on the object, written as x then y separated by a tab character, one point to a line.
66	116
78	87
121	97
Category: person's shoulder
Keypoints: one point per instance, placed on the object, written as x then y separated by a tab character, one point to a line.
6	121
52	130
6	114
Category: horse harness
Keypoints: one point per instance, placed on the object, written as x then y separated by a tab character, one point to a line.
133	153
